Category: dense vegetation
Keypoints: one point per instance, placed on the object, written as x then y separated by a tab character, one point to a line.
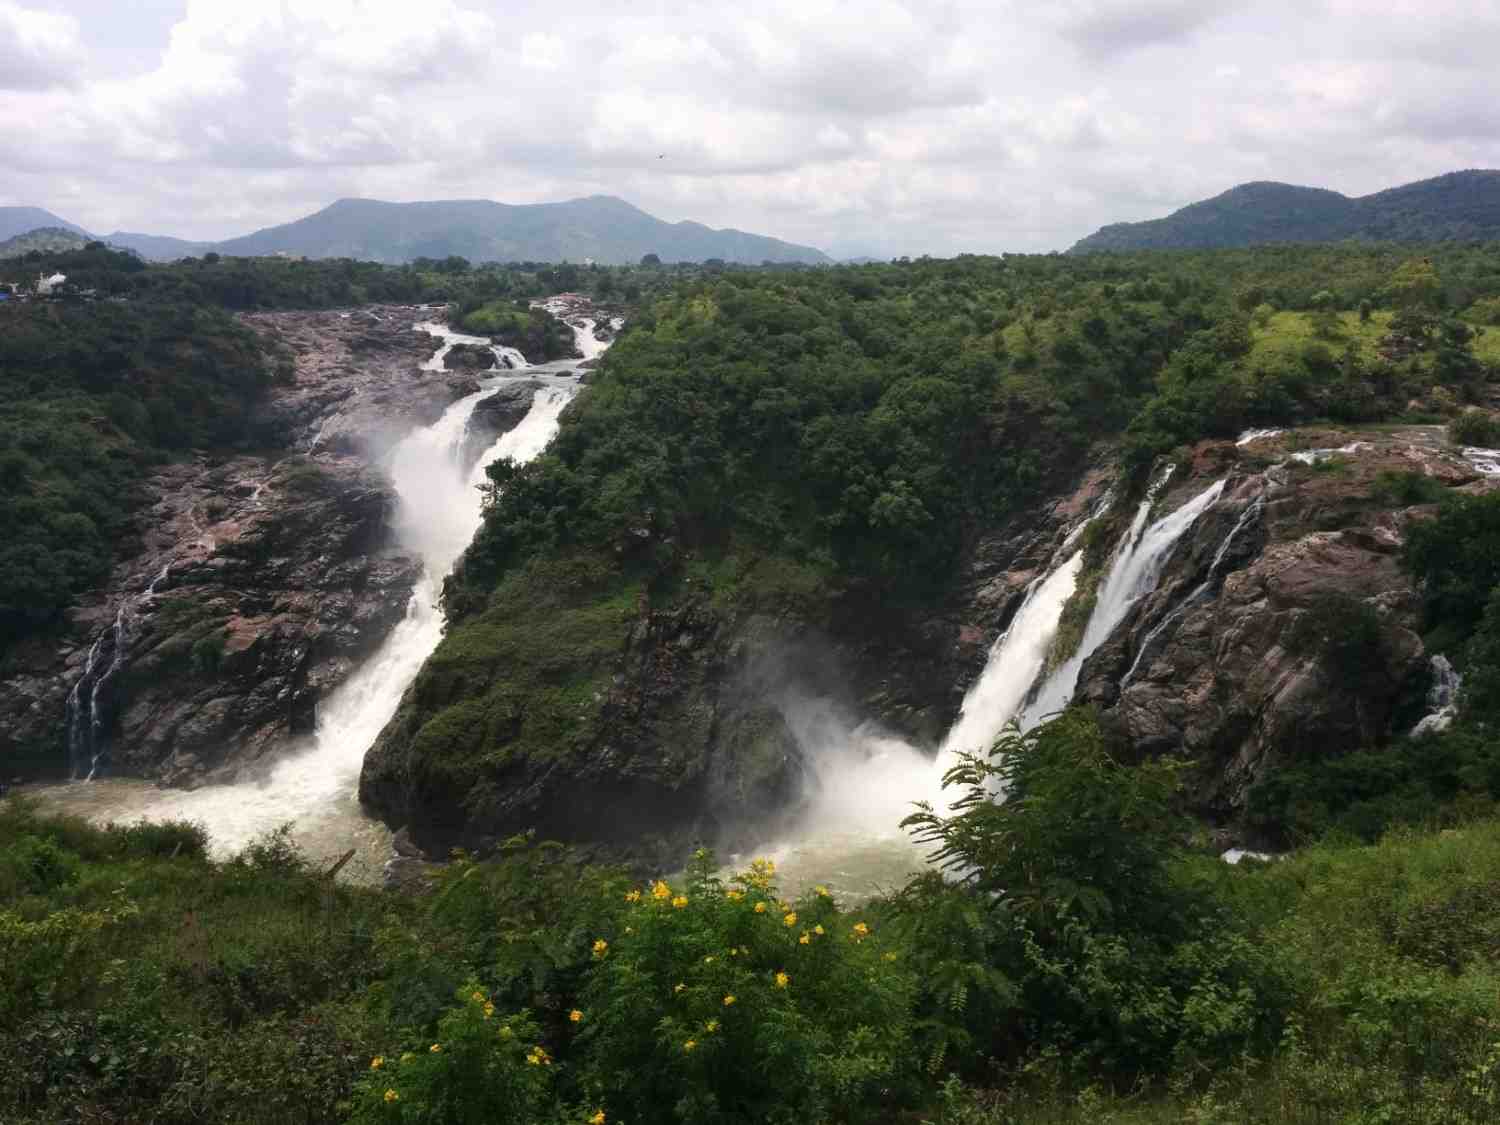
1459	205
90	398
1118	977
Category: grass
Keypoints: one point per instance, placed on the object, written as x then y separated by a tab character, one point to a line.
1281	341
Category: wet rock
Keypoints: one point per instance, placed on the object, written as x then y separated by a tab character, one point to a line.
469	357
498	414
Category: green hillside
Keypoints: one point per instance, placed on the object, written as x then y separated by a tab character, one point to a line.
1459	205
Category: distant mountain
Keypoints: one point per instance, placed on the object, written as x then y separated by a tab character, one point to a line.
1459	205
49	240
600	227
158	247
21	220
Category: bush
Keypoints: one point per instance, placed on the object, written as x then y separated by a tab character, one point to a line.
1474	427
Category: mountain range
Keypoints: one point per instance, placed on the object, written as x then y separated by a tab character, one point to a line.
599	227
1459	205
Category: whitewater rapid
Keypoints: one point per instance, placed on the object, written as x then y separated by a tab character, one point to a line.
439	509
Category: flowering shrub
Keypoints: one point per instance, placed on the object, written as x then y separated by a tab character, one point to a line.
481	1067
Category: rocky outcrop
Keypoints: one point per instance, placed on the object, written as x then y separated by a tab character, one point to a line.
469	357
1283	625
256	583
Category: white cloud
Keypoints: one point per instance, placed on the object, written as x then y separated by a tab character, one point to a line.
895	126
38	49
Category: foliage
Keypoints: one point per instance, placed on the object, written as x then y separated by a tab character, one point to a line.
1456	557
1474	427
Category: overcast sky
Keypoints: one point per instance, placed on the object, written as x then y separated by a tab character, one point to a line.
882	128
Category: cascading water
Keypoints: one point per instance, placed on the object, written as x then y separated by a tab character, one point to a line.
439	510
1137	565
1442	698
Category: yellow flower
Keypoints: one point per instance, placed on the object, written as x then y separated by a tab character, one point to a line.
538	1056
489	1009
711	1026
782	980
861	929
477	997
575	1016
690	1044
436	1049
708	960
679	902
377	1062
805	939
392	1096
790	920
818	929
632	896
734	896
734	953
601	947
660	890
821	891
729	1000
679	987
760	908
598	1118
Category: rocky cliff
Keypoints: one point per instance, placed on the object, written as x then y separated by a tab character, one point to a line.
254	584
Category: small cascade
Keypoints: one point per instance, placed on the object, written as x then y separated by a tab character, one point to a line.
88	712
1132	575
1247	517
1256	435
1486	461
509	358
1442	697
1313	456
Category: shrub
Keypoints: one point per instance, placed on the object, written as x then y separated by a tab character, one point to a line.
1474	427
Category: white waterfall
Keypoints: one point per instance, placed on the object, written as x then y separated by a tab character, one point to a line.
1442	697
439	510
1133	574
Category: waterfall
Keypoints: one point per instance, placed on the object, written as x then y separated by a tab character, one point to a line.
87	713
1133	573
439	508
1442	697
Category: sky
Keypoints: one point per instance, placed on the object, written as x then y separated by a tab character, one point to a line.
880	128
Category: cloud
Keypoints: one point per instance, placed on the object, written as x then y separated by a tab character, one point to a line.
1107	27
37	49
889	127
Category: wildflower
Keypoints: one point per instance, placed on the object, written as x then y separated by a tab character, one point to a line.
821	891
760	908
805	939
818	929
632	896
734	896
690	1044
708	960
477	997
679	987
575	1016
711	1026
538	1056
679	902
782	980
436	1049
729	1000
790	920
392	1096
660	891
598	1118
601	947
861	929
489	1009
377	1062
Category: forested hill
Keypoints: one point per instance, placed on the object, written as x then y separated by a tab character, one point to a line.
600	227
1459	205
19	220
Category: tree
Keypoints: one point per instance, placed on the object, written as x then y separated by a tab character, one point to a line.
650	260
1415	284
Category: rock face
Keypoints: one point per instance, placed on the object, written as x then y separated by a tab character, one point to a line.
259	581
469	357
497	414
1224	661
